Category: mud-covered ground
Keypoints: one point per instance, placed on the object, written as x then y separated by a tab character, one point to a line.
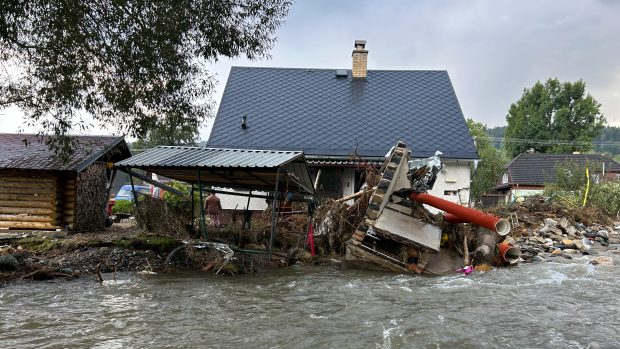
44	255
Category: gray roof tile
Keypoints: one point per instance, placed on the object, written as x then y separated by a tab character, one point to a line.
29	152
539	168
323	115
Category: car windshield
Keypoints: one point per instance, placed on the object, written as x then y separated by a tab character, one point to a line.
127	191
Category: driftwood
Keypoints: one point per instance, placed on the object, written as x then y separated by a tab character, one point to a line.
354	195
43	274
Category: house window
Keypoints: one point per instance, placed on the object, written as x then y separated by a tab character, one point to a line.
450	192
505	178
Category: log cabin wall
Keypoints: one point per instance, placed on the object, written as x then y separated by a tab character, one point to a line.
91	198
67	193
28	200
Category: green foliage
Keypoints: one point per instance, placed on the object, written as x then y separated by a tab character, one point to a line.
608	141
123	206
550	112
129	64
497	132
178	203
606	196
491	164
172	130
569	187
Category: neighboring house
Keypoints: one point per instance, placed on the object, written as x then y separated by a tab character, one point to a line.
330	114
527	173
236	205
39	191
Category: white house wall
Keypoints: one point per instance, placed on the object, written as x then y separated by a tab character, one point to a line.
452	183
232	202
348	183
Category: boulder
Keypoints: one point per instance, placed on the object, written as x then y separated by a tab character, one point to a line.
570	251
8	262
604	234
564	224
572	231
550	223
605	261
583	245
568	243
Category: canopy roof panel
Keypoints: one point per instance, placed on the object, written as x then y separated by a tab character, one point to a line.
232	168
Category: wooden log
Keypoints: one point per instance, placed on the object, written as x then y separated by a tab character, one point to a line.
24	218
38	191
353	196
41	185
26	198
27	225
68	194
27	203
68	205
19	179
28	210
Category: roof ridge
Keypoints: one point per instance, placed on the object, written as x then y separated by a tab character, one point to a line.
332	69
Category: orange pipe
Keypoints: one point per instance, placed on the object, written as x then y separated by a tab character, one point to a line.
508	254
452	219
499	225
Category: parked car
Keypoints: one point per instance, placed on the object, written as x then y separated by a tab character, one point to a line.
125	194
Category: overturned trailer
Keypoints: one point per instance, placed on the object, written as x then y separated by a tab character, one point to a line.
398	234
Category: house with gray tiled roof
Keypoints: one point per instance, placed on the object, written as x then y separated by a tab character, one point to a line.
528	173
331	114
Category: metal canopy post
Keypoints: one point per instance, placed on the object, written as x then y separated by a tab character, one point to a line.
274	207
246	213
133	189
203	226
191	195
109	188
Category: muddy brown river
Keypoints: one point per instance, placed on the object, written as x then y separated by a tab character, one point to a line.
564	304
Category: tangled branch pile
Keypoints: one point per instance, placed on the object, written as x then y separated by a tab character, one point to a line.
157	216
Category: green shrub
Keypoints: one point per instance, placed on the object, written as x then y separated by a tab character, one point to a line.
123	206
606	196
176	202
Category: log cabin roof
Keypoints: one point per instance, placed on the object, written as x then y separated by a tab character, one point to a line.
30	152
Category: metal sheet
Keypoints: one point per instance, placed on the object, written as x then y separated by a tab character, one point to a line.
409	228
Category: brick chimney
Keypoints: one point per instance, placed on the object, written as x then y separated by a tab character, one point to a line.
360	59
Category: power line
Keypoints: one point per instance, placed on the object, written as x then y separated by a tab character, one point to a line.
546	141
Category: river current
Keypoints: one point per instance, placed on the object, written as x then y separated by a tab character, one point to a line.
563	304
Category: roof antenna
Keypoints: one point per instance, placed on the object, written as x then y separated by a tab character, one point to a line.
244	120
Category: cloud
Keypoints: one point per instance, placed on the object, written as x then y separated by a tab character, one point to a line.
491	49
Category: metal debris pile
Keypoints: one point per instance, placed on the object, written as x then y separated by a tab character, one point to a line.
397	233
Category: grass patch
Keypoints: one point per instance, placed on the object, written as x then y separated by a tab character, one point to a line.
148	242
37	244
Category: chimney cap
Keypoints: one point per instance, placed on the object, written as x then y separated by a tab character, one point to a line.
360	42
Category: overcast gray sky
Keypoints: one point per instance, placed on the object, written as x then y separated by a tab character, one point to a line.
491	49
